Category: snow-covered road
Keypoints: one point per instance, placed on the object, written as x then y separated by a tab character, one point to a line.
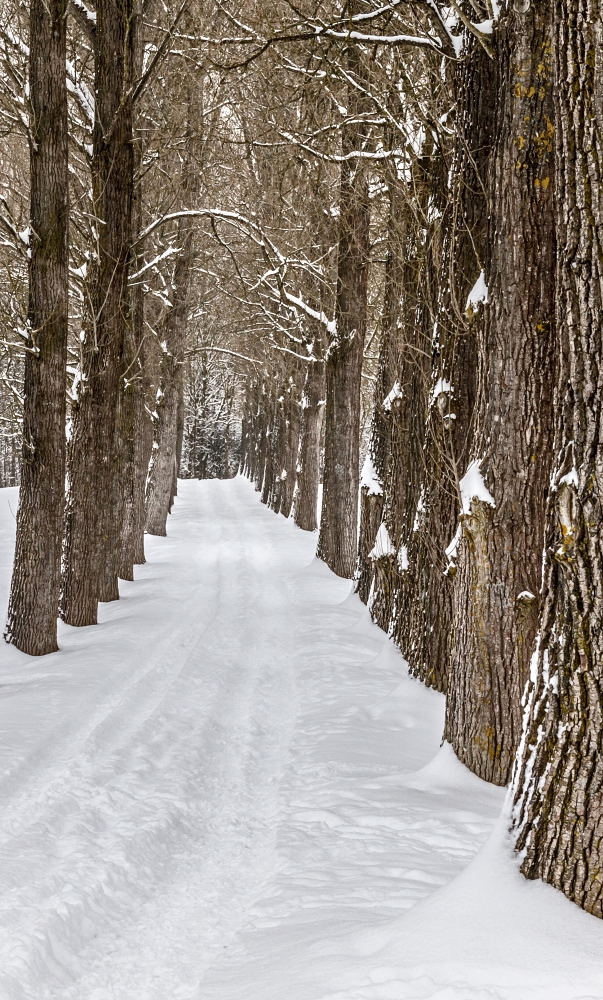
231	790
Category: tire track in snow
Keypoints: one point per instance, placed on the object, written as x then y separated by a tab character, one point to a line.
157	826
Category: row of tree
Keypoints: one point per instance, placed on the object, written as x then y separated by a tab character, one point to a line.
367	229
479	547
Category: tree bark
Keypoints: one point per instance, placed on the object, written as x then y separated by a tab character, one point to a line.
308	476
558	784
292	449
94	506
500	552
338	535
136	422
377	462
425	635
35	586
163	470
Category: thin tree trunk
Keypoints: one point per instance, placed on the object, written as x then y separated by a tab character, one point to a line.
377	461
338	535
292	448
135	417
94	507
163	469
308	477
278	448
35	585
500	552
558	783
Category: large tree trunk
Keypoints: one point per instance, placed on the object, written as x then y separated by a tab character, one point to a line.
426	634
308	476
339	520
409	315
94	507
35	586
500	552
559	781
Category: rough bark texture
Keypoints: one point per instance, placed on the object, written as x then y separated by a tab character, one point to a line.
35	586
308	473
338	535
377	462
425	632
559	780
135	428
94	507
500	553
409	309
163	470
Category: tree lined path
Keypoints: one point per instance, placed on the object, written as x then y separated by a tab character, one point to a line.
231	788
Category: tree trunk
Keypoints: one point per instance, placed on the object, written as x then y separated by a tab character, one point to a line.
425	634
308	477
265	409
135	419
136	456
408	316
500	552
338	535
273	487
377	461
558	783
35	585
163	470
94	506
292	449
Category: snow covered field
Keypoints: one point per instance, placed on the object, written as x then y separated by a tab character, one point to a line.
231	790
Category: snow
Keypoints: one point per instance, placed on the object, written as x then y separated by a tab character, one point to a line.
393	394
570	478
473	487
452	549
369	477
442	386
403	558
479	293
383	544
231	789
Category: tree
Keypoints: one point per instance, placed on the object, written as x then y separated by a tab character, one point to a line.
337	542
35	587
503	491
95	507
558	813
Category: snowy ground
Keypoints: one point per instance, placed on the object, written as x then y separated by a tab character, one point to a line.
231	790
